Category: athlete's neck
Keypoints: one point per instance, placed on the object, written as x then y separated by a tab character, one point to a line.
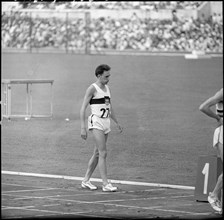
101	85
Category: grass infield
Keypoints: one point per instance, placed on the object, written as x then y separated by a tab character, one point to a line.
156	99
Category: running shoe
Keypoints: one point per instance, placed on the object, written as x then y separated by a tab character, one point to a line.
109	188
88	185
215	203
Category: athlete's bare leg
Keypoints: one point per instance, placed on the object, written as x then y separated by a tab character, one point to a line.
219	184
101	139
92	165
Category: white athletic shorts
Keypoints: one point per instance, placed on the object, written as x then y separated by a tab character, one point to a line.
99	123
218	136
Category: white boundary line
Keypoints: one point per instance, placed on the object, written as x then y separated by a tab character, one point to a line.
144	53
98	180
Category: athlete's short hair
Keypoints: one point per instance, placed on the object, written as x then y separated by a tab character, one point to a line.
101	68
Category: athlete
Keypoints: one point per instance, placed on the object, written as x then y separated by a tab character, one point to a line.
98	96
206	107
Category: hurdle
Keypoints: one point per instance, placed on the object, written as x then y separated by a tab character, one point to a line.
7	101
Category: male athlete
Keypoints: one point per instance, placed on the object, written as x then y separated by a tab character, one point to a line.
99	97
205	107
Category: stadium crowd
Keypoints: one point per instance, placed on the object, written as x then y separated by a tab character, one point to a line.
20	30
157	35
114	5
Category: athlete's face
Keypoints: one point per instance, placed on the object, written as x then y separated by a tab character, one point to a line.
104	78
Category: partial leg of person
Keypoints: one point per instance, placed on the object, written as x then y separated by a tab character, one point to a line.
101	139
213	197
90	169
92	164
219	184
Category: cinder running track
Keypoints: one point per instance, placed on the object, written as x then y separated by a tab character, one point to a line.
28	197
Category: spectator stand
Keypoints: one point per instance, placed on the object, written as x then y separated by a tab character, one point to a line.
149	27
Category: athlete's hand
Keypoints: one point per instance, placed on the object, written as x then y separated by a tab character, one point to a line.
119	128
83	133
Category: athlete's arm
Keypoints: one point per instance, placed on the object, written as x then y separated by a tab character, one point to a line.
205	107
113	116
88	95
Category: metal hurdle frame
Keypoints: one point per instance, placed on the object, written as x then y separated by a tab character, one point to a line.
7	89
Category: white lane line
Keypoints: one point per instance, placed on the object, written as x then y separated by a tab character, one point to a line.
149	198
23	207
51	205
10	184
98	180
128	206
58	213
42	197
28	207
118	205
89	192
28	190
36	187
22	197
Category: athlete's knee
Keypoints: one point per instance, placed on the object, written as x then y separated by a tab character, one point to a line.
96	153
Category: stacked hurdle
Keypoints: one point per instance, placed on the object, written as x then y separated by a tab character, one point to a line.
7	101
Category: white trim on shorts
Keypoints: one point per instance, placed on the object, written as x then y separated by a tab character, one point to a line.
96	122
218	136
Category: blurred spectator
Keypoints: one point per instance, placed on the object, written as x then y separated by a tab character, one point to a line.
174	15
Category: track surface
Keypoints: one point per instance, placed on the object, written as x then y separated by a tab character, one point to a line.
26	197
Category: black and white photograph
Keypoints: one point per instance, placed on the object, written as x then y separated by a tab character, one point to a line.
111	109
